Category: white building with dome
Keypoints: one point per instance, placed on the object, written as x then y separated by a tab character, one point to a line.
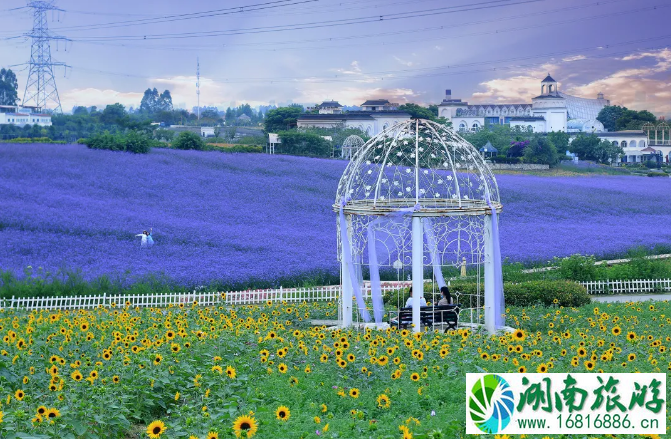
552	110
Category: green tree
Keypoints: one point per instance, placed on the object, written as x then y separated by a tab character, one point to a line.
153	102
609	115
113	115
634	120
9	87
591	147
164	101
542	151
560	140
417	112
295	142
150	100
282	118
80	111
188	140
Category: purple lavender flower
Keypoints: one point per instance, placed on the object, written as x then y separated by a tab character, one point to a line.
233	217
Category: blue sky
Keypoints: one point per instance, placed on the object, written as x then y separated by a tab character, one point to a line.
306	51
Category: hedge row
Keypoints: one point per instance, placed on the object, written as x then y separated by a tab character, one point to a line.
542	292
33	140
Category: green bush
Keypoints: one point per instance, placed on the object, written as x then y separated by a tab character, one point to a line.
188	140
299	143
242	148
542	292
33	140
111	142
657	174
133	141
578	268
508	160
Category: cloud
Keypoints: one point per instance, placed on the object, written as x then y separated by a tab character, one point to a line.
88	97
515	89
638	81
405	63
638	88
574	58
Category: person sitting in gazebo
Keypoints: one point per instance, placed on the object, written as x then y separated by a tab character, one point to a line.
446	298
408	303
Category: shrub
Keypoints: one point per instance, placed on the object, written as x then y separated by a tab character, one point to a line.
137	142
542	292
133	141
508	160
33	140
657	174
188	140
112	142
242	148
578	268
300	143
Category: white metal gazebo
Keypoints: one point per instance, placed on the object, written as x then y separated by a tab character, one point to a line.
351	146
420	195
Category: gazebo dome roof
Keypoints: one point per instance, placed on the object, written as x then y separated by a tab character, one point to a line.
417	162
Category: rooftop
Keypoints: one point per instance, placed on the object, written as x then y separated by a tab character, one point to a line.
376	102
330	104
548	78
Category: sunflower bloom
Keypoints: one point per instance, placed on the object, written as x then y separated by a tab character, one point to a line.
156	429
245	423
282	413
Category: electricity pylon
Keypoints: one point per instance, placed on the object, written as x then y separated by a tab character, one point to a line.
41	87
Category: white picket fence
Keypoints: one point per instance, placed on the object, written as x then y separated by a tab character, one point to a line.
289	295
636	286
249	297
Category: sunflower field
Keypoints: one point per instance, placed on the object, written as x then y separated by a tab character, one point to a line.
197	372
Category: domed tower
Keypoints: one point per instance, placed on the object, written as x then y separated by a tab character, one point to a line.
550	106
549	87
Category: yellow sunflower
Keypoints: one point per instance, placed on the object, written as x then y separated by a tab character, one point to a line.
282	413
156	429
383	401
354	392
245	423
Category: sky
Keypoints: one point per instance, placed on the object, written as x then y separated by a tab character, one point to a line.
305	51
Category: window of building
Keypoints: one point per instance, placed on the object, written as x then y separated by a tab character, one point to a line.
476	126
462	126
530	128
623	144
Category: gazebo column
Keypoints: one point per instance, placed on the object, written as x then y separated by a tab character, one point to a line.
417	270
346	280
490	290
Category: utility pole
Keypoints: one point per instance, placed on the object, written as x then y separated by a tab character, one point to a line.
198	86
41	87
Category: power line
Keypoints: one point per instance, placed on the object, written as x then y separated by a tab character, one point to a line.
190	15
321	24
438	70
264	45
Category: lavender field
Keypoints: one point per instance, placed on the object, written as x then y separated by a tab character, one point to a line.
234	217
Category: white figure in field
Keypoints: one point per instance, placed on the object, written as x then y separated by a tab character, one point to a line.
147	240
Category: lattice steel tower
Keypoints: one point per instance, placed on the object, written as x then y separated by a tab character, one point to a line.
41	87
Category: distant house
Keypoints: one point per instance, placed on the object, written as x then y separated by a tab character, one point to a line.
329	107
375	117
243	118
20	115
379	105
